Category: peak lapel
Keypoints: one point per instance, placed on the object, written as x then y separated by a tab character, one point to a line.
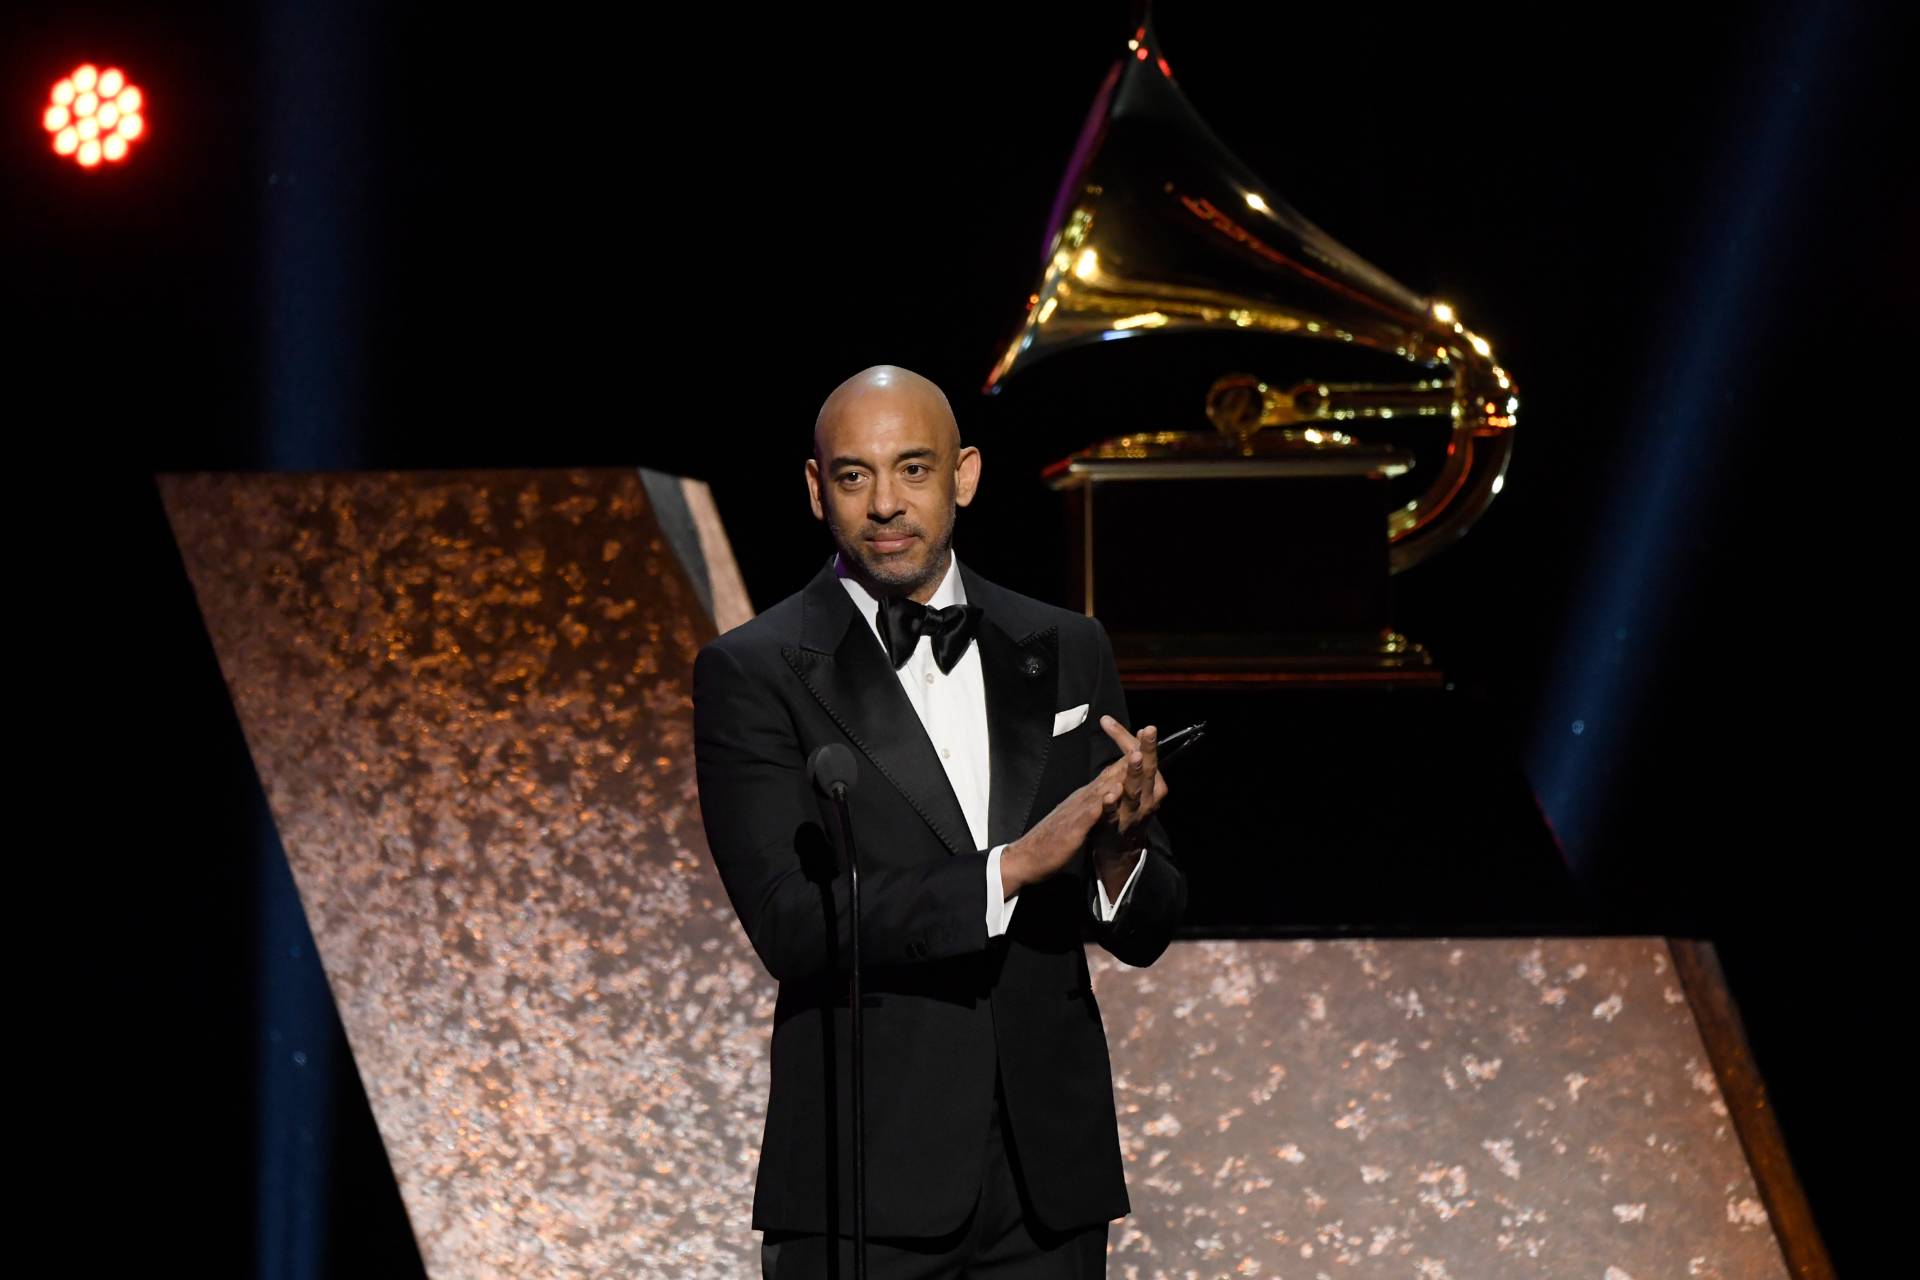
840	661
1020	665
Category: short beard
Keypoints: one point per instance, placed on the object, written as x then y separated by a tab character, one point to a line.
884	579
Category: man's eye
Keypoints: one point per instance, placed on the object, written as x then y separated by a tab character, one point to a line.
850	477
916	468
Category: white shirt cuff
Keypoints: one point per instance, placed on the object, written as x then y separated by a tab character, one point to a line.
999	909
1107	909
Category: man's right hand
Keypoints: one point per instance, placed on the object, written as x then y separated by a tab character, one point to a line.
1054	841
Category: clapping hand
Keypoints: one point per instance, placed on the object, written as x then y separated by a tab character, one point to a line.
1119	838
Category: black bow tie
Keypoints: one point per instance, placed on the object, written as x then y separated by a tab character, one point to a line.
903	622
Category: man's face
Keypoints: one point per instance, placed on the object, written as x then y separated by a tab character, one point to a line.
888	476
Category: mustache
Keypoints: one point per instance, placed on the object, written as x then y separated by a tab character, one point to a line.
891	531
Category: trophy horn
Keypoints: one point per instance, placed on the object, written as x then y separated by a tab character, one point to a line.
1158	228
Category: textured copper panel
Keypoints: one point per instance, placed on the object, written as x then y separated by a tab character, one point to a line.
1426	1109
730	605
468	699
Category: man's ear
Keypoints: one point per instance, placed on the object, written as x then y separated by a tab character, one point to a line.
813	489
966	475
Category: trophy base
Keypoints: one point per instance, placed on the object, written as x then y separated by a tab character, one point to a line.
1239	570
1219	661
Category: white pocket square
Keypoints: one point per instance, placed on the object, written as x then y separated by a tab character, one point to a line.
1071	718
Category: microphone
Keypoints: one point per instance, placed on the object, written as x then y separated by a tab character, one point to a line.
833	770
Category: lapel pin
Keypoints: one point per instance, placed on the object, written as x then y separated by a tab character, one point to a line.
1033	665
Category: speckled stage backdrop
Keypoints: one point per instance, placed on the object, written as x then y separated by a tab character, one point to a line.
467	697
1424	1110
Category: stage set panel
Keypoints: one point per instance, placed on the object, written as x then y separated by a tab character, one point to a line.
1434	1109
468	699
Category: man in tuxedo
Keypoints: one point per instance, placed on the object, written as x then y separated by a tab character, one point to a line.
1004	815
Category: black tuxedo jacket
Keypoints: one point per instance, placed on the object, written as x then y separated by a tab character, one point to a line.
944	1006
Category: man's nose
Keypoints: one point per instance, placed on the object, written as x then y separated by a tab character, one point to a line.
883	500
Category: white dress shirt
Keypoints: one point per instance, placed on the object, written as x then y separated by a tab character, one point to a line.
952	707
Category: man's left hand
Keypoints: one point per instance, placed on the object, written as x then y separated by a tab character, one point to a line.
1117	844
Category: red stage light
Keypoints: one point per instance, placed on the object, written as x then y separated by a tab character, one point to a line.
94	115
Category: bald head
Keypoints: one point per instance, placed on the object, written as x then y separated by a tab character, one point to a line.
888	474
884	388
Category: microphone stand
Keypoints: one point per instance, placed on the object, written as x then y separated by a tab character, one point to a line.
859	1045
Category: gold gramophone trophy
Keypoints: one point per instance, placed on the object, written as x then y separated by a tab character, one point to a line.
1159	229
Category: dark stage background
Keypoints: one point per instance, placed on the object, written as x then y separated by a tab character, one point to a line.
368	236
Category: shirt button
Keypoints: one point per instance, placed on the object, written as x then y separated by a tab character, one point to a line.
929	677
945	754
